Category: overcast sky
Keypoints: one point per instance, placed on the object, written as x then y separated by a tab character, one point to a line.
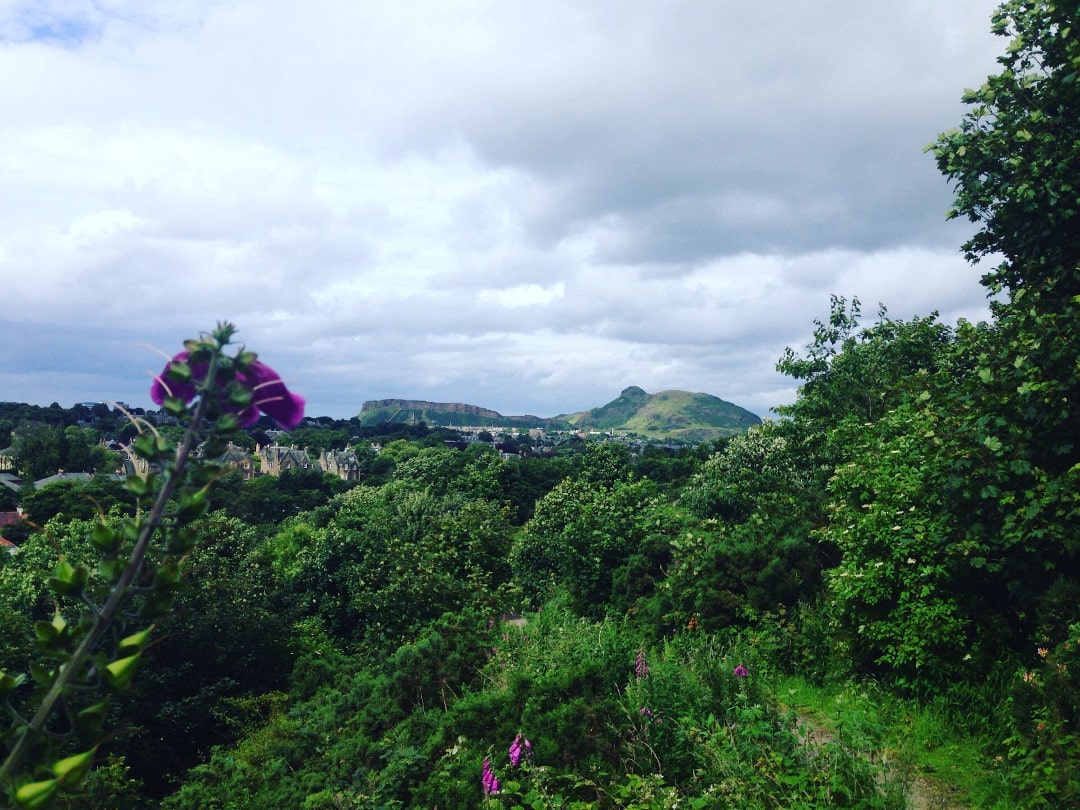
519	205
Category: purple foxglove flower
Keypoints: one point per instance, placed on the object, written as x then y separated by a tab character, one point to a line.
270	396
515	751
518	748
741	671
488	779
642	666
268	393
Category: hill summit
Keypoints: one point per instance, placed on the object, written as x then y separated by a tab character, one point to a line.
667	415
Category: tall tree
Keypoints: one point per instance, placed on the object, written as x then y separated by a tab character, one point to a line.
1015	160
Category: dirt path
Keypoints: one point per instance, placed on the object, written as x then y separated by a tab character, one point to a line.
922	793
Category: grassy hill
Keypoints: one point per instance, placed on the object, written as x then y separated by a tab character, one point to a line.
667	414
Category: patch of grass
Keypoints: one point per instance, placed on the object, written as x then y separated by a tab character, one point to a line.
942	765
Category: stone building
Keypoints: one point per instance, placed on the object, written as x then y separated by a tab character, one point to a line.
275	460
240	459
342	463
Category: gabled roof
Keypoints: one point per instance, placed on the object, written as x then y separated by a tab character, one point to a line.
72	476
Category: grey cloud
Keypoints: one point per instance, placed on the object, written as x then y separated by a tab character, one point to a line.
525	206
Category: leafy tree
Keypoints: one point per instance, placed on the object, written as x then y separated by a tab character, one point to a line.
390	558
223	642
525	481
897	590
38	451
579	537
754	467
1015	161
861	373
75	499
606	463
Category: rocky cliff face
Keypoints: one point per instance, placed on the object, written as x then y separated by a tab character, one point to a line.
420	405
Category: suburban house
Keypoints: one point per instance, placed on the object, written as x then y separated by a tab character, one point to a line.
11	481
342	463
275	460
9	519
240	459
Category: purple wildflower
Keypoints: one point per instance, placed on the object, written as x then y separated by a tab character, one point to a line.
488	778
518	747
642	667
268	393
741	671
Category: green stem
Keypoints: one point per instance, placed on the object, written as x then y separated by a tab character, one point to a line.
116	597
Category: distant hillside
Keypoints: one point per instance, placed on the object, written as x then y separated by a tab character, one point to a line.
443	414
668	414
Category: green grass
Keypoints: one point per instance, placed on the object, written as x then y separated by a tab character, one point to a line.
924	743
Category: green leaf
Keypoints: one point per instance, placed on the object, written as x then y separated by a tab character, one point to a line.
41	672
37	794
89	720
105	538
167	577
182	540
144	446
121	671
9	683
71	770
67	579
179	371
49	631
174	406
136	641
110	570
137	486
193	505
228	423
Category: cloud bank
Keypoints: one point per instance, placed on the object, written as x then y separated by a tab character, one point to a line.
522	206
